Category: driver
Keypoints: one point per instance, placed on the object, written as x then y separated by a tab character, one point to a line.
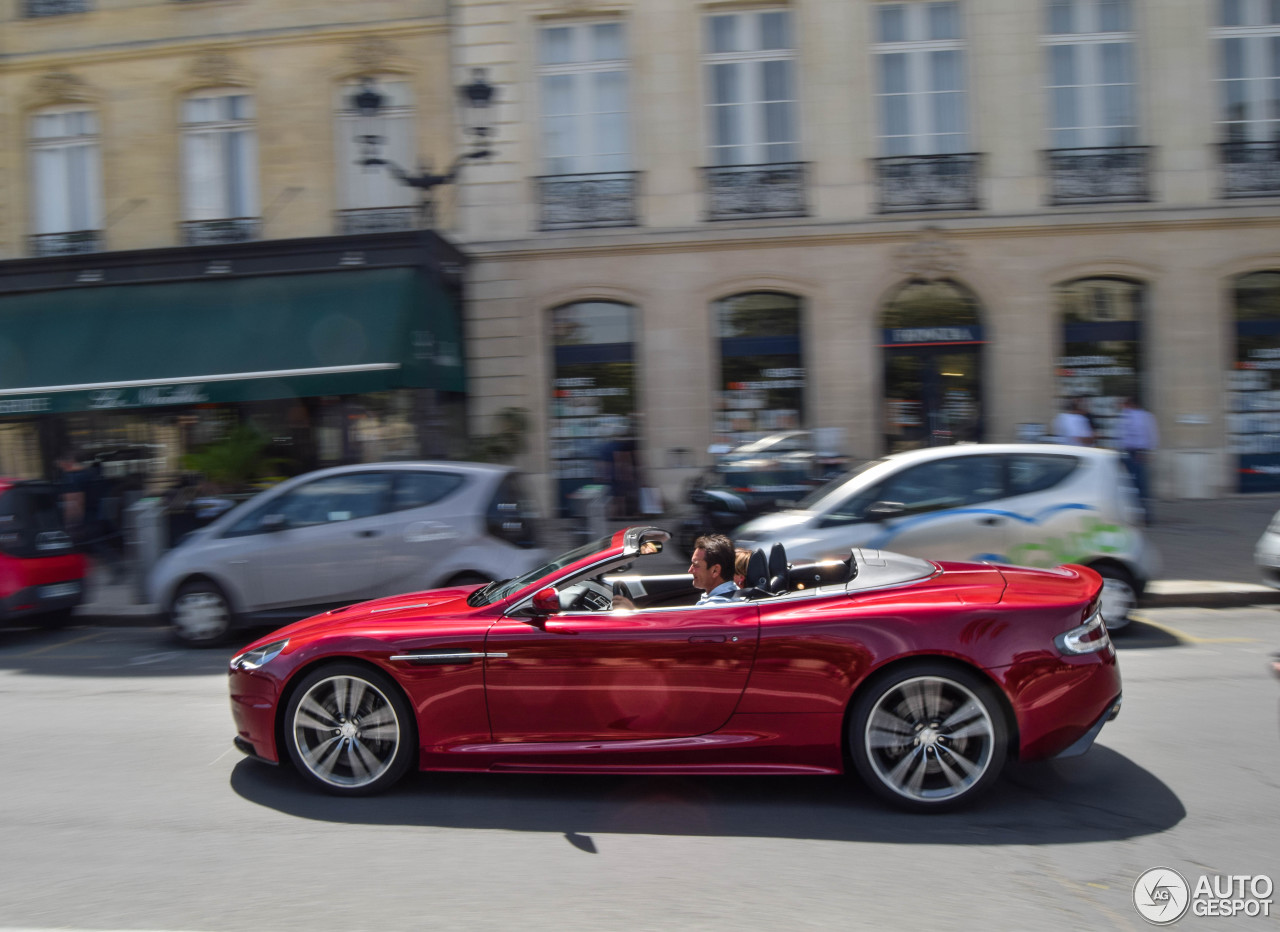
712	569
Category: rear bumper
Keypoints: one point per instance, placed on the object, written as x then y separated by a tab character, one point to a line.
1087	739
38	600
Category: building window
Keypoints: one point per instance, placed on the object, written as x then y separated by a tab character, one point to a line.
1090	70
1102	357
762	374
1253	384
921	82
750	67
66	186
586	137
220	168
371	199
37	8
1248	39
594	401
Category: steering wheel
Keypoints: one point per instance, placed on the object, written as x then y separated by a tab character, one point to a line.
587	595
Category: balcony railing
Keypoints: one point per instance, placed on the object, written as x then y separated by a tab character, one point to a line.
748	192
65	244
37	8
598	199
1250	169
1115	174
377	220
928	182
218	232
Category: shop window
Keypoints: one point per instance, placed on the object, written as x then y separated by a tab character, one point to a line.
1101	360
762	375
1253	385
593	398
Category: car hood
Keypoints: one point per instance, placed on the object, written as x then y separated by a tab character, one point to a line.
445	604
770	524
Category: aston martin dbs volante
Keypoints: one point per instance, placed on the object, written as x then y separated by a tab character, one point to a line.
924	677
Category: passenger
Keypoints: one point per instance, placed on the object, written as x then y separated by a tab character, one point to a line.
740	560
712	567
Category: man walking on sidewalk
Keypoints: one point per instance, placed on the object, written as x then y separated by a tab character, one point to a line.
1138	440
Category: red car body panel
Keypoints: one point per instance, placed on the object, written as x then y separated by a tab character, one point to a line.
751	687
23	575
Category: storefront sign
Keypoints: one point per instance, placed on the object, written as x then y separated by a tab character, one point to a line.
933	336
110	399
24	405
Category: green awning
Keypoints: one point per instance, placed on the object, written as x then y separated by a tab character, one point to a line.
245	339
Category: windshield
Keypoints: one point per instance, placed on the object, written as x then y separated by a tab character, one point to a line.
810	501
496	591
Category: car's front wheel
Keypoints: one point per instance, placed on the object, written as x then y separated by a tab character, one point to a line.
928	736
201	614
349	730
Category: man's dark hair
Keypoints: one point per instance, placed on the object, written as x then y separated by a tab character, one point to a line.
719	553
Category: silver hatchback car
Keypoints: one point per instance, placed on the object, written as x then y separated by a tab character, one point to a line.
342	535
1036	505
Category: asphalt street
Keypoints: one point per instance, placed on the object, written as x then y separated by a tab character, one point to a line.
124	806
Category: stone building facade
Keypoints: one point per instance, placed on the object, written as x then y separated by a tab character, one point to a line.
906	221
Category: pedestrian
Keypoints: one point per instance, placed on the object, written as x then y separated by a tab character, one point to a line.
1072	425
1138	440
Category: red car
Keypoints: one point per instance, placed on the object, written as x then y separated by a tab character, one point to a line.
925	677
41	573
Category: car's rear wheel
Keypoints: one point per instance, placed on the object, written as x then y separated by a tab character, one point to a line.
1119	595
928	736
201	614
349	730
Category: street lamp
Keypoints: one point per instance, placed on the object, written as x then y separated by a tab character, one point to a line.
476	96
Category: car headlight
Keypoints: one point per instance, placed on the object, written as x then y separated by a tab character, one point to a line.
1087	638
253	659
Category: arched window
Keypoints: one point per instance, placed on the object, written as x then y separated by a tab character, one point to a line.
66	182
1253	386
932	366
762	373
593	396
220	167
1101	358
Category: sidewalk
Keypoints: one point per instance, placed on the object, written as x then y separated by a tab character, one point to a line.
1206	549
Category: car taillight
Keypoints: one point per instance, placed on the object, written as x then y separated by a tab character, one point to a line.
1087	638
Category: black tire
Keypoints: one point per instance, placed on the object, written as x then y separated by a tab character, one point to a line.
200	614
58	618
1119	595
349	730
928	736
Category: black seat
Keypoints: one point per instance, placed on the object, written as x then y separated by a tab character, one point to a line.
779	576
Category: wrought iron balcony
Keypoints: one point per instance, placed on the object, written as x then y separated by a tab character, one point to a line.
65	244
218	232
36	8
598	199
748	192
928	182
1250	169
377	220
1115	174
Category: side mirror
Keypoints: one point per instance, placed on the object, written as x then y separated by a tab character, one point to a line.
546	601
273	523
882	511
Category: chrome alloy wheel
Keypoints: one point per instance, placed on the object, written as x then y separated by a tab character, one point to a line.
200	615
930	739
346	731
1118	600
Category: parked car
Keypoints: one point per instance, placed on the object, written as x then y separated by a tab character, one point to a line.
1267	552
1027	504
41	572
926	676
344	534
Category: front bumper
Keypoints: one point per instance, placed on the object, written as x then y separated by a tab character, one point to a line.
253	705
38	600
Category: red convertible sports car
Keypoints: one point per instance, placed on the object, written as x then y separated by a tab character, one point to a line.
926	677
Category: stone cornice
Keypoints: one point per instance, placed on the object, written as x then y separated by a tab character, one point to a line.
897	232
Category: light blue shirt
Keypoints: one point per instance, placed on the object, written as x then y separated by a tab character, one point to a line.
721	593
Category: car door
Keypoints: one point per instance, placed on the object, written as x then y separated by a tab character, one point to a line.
319	542
578	676
428	517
